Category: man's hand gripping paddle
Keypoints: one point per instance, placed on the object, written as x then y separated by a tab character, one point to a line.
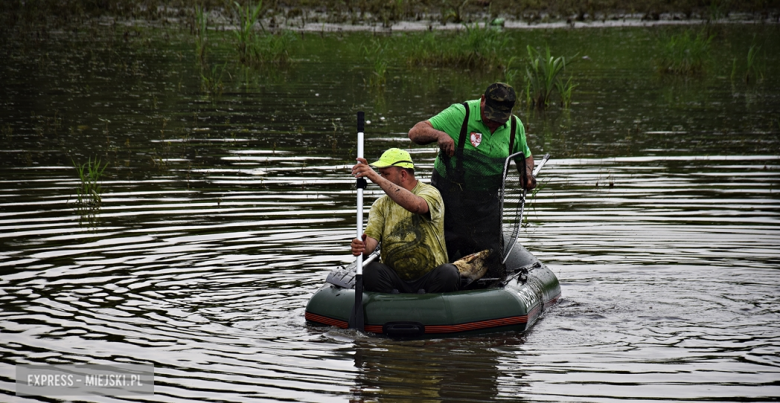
356	319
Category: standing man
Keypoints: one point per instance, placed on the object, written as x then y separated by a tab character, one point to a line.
409	222
474	139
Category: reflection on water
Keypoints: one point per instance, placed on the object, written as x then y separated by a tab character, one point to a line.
441	369
220	218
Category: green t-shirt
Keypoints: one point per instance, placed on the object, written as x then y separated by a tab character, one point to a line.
412	244
484	153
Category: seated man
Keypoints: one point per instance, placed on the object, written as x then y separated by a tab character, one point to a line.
409	222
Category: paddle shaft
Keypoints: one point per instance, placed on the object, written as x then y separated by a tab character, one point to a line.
360	187
356	320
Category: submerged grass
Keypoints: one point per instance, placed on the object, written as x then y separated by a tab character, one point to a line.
273	49
375	53
255	49
245	34
755	66
211	80
565	89
543	76
89	192
685	54
201	23
473	47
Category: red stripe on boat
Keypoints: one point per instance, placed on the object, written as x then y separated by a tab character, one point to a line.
313	317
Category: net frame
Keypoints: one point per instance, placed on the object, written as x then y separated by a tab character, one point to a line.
512	223
512	205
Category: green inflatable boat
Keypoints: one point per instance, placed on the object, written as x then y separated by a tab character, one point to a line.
513	303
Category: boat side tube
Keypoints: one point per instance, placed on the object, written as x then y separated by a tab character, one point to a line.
515	306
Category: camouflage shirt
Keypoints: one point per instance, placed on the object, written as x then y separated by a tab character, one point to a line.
412	244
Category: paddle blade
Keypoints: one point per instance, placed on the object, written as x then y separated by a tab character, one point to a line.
356	318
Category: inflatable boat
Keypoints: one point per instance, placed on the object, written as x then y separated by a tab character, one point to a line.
513	303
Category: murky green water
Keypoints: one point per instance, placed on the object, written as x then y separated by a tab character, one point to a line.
220	216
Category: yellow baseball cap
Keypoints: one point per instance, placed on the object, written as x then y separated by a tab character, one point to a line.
394	157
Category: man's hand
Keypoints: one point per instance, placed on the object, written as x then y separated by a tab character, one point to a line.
423	133
364	246
446	144
530	182
358	246
363	170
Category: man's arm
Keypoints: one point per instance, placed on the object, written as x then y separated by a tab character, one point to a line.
423	133
530	181
403	197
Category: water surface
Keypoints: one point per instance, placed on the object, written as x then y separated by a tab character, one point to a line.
220	216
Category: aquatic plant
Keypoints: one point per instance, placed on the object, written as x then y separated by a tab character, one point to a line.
755	68
473	47
484	44
201	19
512	75
542	73
88	193
531	201
245	34
211	80
685	54
565	90
375	54
273	49
257	50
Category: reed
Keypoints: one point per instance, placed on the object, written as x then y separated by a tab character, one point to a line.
685	54
473	47
542	77
375	53
89	192
484	44
273	49
755	69
258	50
565	89
245	34
424	49
211	80
201	34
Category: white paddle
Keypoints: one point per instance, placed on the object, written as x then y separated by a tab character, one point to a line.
356	320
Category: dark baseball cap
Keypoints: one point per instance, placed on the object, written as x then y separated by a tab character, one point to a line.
499	101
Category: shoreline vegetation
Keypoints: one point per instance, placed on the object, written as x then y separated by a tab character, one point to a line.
403	15
454	34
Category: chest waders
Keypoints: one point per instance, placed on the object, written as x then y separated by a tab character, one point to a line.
472	218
